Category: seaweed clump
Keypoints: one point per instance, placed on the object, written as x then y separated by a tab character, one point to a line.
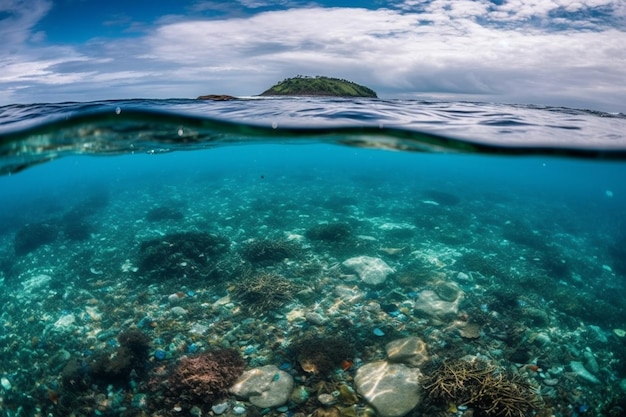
203	378
321	355
179	255
490	390
129	359
264	292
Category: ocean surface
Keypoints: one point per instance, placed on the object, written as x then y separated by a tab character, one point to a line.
364	257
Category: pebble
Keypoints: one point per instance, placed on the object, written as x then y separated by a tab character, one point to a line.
219	408
178	311
542	339
378	332
6	384
139	401
591	364
173	298
326	399
239	409
315	318
462	276
299	395
160	354
551	381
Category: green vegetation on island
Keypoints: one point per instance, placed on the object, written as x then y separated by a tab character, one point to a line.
319	86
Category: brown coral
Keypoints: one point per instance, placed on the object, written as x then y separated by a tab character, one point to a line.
264	292
203	378
490	390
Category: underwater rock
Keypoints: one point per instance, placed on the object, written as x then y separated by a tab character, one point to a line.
219	408
447	291
32	236
410	351
178	311
315	318
392	389
579	369
428	303
300	395
372	271
264	387
591	364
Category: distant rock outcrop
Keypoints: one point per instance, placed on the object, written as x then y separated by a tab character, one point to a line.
319	86
217	97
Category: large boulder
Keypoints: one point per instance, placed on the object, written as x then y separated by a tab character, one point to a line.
372	271
393	389
410	351
431	304
264	387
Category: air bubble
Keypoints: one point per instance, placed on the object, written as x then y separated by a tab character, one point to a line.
274	125
180	131
118	110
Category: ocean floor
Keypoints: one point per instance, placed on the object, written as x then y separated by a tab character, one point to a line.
509	302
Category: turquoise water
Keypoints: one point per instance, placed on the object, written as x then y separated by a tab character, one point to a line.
198	235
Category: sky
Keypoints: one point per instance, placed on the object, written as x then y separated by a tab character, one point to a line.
568	53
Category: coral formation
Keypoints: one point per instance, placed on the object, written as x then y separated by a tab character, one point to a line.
321	355
201	379
477	262
177	255
264	292
490	390
77	230
329	232
162	213
267	251
32	236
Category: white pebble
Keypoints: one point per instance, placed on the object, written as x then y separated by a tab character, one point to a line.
178	311
239	409
219	408
6	384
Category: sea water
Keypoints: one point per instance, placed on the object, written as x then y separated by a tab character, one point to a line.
487	232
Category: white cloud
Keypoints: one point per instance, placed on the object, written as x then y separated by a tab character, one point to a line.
18	19
438	48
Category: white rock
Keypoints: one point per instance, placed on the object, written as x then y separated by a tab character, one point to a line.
410	350
178	311
315	318
6	384
219	408
372	271
65	321
264	387
428	303
591	364
392	389
579	369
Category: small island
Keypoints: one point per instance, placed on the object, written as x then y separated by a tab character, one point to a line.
319	86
